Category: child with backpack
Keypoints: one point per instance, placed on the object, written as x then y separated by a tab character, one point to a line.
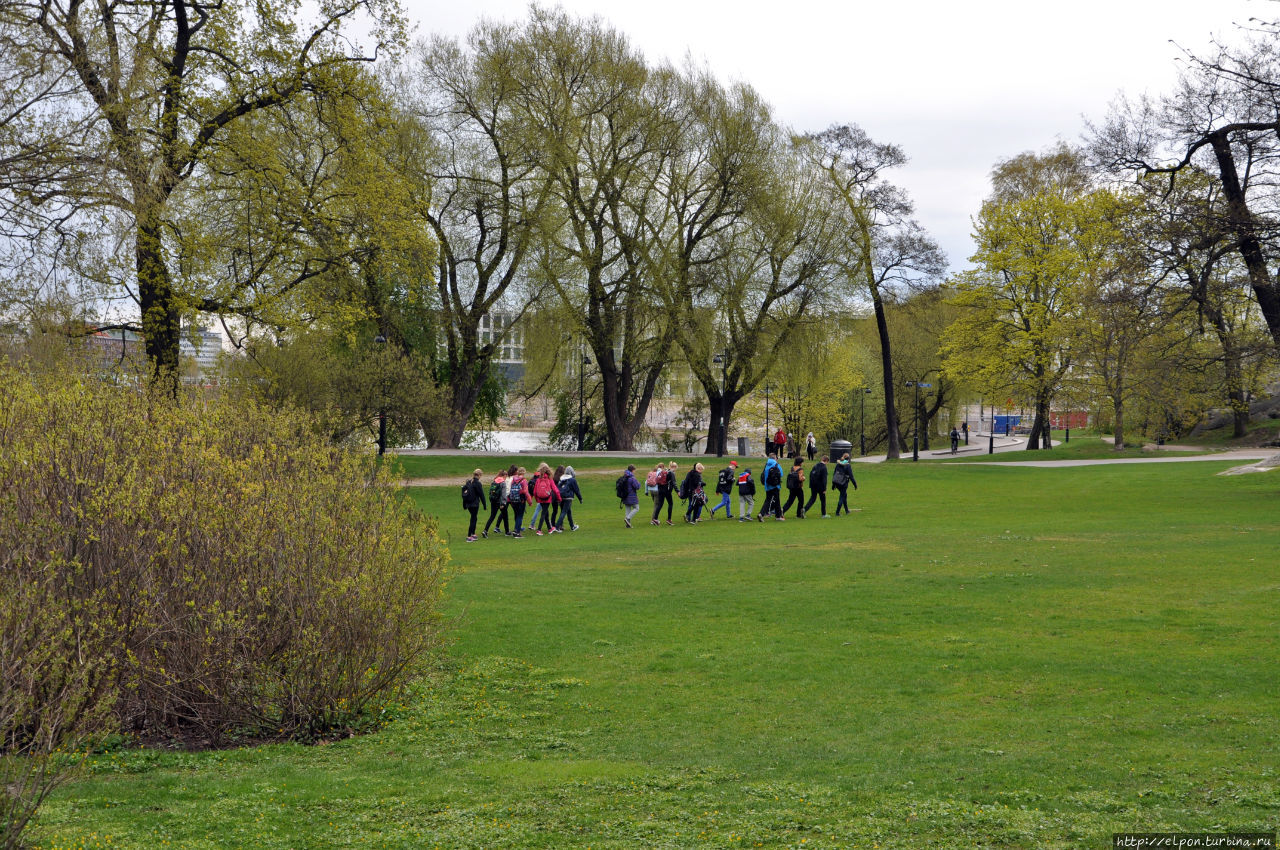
691	490
772	476
498	503
545	494
568	489
666	479
517	497
724	488
840	480
746	495
628	490
472	499
795	488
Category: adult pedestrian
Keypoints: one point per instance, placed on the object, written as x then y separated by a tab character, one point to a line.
818	486
519	497
811	445
568	490
955	440
498	504
472	499
746	495
772	478
724	488
840	480
795	488
630	494
780	442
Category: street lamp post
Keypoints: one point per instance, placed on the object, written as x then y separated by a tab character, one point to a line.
382	405
915	419
582	389
723	360
767	387
862	422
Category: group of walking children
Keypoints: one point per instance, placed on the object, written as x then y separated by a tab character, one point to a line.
510	493
661	486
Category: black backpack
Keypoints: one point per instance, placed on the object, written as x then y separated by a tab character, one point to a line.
620	487
774	476
793	480
841	476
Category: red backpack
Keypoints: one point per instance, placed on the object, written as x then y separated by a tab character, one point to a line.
542	488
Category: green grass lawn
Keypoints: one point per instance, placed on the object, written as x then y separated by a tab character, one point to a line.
978	657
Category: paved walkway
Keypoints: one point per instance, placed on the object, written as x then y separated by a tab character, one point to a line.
978	445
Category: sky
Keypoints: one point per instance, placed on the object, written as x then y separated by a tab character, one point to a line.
959	86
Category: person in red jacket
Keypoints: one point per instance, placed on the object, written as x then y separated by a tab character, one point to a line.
780	443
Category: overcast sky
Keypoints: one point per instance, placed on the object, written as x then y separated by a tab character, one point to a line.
958	85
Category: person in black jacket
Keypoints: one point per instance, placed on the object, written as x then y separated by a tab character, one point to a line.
795	488
840	480
724	488
472	499
689	491
568	489
818	485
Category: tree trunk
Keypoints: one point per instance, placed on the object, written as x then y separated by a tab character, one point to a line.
161	319
720	405
1117	407
464	391
1241	221
894	438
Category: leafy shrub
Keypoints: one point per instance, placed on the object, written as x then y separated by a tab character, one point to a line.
245	577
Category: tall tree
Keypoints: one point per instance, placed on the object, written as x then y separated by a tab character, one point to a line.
1024	294
1223	118
152	87
604	135
488	198
885	247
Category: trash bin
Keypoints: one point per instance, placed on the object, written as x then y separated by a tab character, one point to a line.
744	447
838	449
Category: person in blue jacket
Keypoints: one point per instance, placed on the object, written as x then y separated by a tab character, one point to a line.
772	479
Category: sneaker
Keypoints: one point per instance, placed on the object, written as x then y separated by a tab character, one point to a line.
575	528
628	522
517	535
669	522
781	519
653	522
760	518
826	516
538	532
485	535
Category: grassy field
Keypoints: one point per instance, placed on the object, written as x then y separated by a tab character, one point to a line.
977	657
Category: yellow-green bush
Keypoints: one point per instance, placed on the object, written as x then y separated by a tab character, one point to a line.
242	576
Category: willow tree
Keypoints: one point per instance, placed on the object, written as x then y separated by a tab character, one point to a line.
486	204
603	135
141	93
